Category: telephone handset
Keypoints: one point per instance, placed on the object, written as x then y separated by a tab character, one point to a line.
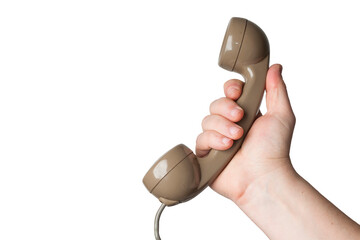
179	175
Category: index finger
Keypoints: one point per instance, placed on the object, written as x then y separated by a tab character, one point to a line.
233	88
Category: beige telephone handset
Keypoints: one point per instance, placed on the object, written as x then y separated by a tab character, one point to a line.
179	175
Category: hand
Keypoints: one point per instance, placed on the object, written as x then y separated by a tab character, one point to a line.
260	178
266	147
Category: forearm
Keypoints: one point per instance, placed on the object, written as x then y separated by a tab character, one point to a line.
285	206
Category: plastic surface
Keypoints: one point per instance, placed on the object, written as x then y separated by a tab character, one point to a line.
179	175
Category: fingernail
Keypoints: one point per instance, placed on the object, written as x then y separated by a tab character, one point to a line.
236	111
281	69
226	141
234	130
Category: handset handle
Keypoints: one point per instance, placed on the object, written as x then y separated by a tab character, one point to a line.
212	164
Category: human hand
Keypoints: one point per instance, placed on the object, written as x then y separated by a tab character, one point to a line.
265	150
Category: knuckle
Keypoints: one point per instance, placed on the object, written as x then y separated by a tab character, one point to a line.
214	104
205	121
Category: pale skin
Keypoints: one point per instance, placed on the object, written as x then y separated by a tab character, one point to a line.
260	179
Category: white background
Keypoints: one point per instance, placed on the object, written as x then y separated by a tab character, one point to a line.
93	92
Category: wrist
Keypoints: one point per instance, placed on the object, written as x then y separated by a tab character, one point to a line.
285	206
268	184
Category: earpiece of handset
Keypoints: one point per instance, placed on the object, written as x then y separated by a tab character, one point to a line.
179	175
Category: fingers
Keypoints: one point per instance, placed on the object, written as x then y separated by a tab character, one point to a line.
211	139
233	89
218	133
223	126
227	108
219	128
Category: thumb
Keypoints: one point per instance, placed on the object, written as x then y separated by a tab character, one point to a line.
277	99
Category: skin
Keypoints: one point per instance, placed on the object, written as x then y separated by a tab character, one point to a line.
260	178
